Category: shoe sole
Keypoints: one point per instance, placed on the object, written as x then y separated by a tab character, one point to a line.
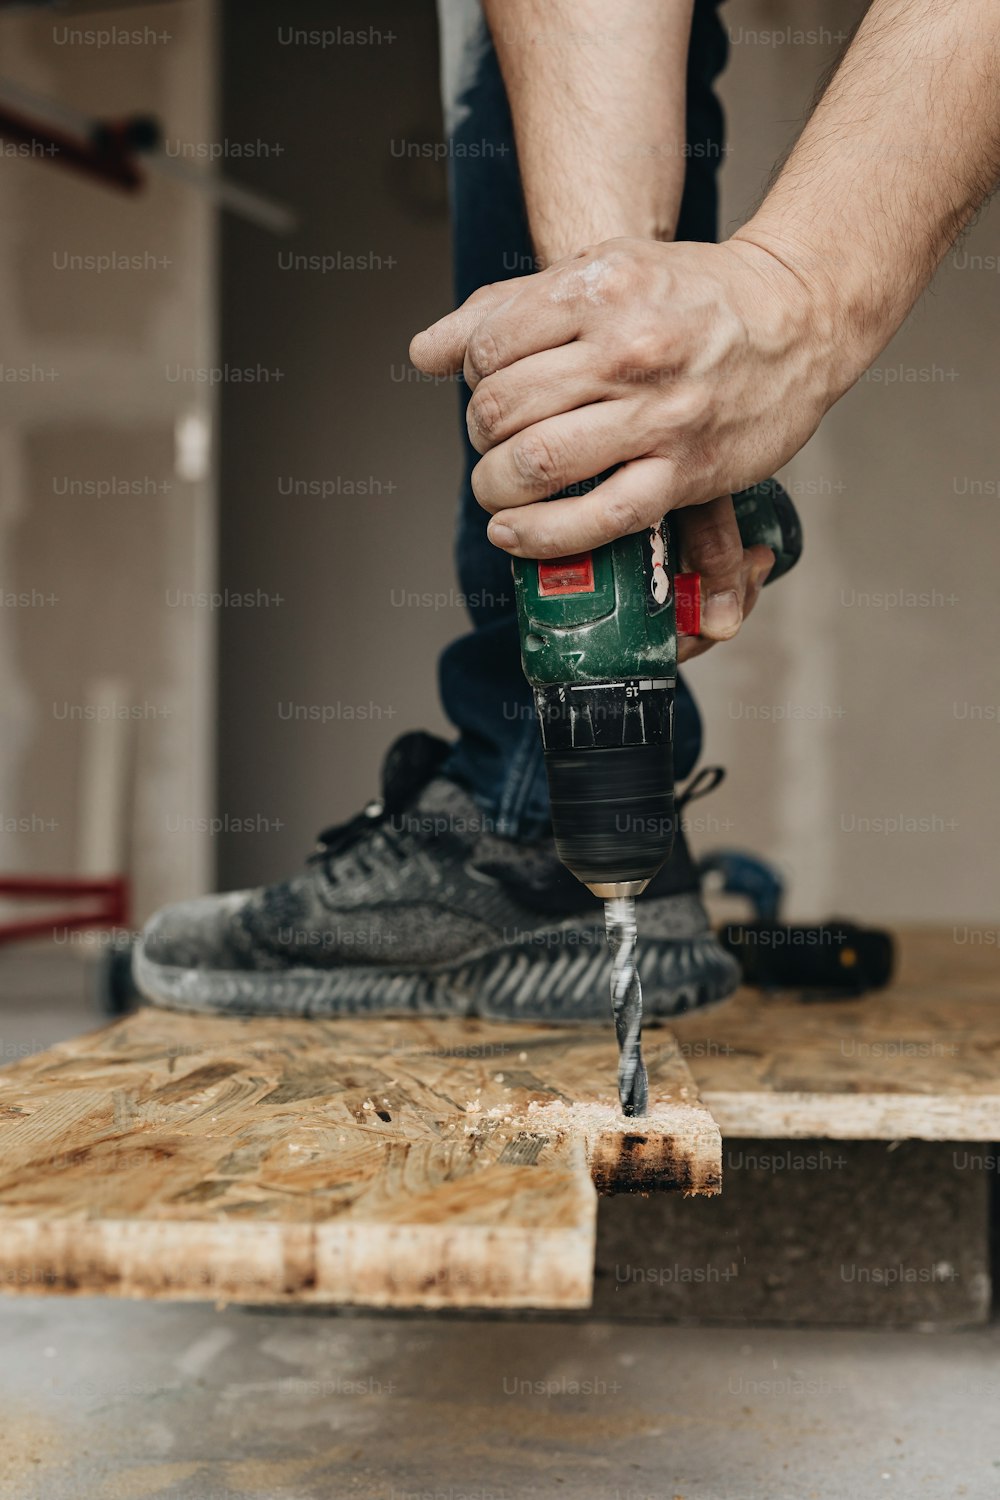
516	982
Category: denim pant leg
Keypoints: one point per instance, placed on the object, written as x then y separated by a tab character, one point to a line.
483	689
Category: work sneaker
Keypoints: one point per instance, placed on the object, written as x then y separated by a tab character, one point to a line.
415	907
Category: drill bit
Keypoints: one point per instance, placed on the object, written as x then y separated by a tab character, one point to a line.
626	1003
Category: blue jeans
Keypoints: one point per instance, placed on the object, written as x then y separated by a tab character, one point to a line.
483	689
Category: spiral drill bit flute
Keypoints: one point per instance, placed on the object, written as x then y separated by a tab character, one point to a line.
599	647
626	1004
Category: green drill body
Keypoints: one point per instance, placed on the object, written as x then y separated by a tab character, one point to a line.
618	628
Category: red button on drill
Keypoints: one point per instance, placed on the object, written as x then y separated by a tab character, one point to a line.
567	575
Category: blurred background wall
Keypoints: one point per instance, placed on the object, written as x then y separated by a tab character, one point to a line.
858	712
106	501
338	473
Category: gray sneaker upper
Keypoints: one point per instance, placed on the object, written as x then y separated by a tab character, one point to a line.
423	886
417	907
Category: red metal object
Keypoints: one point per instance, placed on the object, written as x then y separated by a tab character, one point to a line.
109	907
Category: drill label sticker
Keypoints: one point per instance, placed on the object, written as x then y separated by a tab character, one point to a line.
657	568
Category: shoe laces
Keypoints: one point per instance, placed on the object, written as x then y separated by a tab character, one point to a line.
374	820
410	763
706	781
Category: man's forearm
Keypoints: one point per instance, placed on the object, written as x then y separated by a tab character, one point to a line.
597	97
900	152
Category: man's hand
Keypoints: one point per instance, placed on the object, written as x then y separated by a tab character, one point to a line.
699	369
703	368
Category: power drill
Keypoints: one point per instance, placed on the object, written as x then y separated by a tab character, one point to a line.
599	648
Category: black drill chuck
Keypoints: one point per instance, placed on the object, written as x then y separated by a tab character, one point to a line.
612	814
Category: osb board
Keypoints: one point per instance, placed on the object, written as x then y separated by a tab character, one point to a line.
920	1059
387	1163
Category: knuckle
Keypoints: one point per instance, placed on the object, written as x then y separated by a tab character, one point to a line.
545	544
716	550
611	273
537	460
695	468
484	294
601	275
483	353
617	263
623	515
486	411
615	278
641	357
689	408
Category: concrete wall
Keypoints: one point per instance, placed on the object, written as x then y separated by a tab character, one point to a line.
101	526
865	687
323	671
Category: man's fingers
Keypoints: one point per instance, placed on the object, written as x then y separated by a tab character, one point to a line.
565	450
538	317
543	385
635	496
731	579
440	349
485	334
757	563
543	311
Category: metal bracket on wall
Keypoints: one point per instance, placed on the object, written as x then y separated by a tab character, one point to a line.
118	153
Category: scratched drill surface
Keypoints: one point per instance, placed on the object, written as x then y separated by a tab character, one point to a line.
420	1162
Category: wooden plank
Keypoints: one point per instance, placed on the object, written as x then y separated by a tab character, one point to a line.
388	1163
920	1059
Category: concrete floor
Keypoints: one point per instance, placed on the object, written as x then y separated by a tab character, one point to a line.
48	992
117	1400
104	1400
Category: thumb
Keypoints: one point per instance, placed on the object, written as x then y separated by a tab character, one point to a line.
710	544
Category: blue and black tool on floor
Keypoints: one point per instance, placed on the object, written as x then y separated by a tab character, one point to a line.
826	960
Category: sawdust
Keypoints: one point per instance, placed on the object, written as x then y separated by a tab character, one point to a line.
557	1118
140	1481
30	1447
266	1475
299	1141
542	1419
